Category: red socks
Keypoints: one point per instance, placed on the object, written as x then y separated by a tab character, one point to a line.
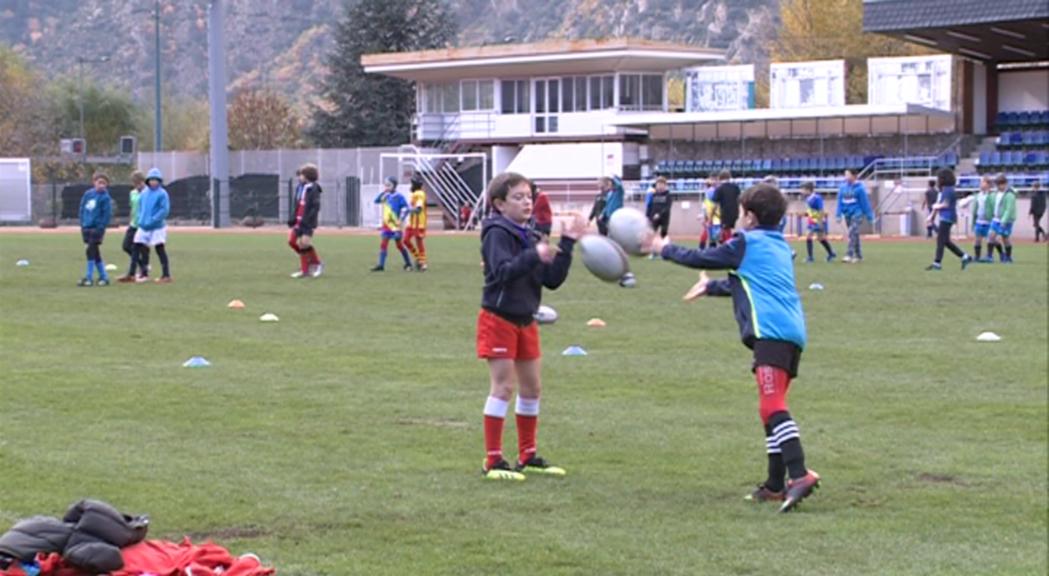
304	262
527	424
773	384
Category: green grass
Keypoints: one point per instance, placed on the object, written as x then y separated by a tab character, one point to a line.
346	439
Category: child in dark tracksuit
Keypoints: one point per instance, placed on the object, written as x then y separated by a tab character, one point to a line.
518	263
96	209
303	223
771	323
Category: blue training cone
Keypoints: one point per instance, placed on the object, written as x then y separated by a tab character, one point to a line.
196	362
574	351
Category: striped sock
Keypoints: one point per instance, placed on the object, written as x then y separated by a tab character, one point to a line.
527	410
786	436
777	470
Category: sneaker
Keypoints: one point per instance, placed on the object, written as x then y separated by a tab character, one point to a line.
846	260
966	260
986	260
501	471
297	274
763	494
377	269
164	280
318	270
831	257
422	267
809	260
628	280
126	279
141	279
102	282
85	282
537	465
408	268
933	266
800	489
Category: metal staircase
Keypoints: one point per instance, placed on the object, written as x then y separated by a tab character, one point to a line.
445	182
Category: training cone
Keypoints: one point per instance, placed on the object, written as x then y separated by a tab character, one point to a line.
111	267
22	263
815	286
235	304
596	323
988	337
574	351
268	317
196	362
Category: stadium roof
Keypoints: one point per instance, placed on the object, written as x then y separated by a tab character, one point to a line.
789	122
987	30
550	57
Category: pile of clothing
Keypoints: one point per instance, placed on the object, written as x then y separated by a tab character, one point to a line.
95	538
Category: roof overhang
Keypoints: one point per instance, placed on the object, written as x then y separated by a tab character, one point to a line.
778	114
998	31
553	58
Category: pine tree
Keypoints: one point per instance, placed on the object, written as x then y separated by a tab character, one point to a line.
359	109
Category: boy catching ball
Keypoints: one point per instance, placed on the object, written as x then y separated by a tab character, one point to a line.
518	263
771	323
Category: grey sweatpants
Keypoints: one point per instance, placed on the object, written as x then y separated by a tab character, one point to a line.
854	223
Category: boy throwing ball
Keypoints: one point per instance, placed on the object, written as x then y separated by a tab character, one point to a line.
518	263
771	323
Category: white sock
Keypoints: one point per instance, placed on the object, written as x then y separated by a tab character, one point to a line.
496	407
527	406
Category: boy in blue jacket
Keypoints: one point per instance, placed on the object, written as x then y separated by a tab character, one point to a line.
153	208
96	209
771	323
854	206
518	264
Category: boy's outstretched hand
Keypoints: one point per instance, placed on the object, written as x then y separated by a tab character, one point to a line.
698	290
654	243
575	228
546	252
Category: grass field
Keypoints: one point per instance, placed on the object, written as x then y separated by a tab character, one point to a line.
346	439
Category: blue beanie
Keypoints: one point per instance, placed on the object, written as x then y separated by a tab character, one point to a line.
154	174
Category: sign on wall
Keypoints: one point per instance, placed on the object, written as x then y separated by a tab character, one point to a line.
807	84
924	80
715	88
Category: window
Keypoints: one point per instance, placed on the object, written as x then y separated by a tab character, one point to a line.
651	92
486	94
567	93
629	91
608	91
449	97
469	95
580	94
515	97
595	93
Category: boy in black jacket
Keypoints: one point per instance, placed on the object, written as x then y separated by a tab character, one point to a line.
304	221
517	265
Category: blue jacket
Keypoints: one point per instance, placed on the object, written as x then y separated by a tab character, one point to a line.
513	275
852	201
153	208
760	281
96	208
950	212
614	200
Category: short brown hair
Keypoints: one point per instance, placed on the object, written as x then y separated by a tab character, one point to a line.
101	175
1001	179
500	186
661	180
309	171
138	177
945	177
808	185
724	175
766	202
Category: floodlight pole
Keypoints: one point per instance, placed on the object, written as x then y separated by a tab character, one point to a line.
158	138
217	102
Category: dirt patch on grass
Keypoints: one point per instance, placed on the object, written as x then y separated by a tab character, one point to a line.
931	478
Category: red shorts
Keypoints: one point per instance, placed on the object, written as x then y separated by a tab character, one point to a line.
498	338
415	233
726	235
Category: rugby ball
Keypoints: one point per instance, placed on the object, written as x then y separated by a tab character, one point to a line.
603	257
546	315
629	227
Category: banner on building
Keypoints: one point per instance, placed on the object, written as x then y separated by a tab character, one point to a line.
719	88
807	84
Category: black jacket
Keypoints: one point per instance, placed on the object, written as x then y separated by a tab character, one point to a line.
1037	203
513	275
659	208
313	191
88	537
727	198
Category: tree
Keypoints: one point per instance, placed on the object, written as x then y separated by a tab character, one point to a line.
830	30
262	120
108	113
185	124
24	126
358	109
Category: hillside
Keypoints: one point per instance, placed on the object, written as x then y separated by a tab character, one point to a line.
271	42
